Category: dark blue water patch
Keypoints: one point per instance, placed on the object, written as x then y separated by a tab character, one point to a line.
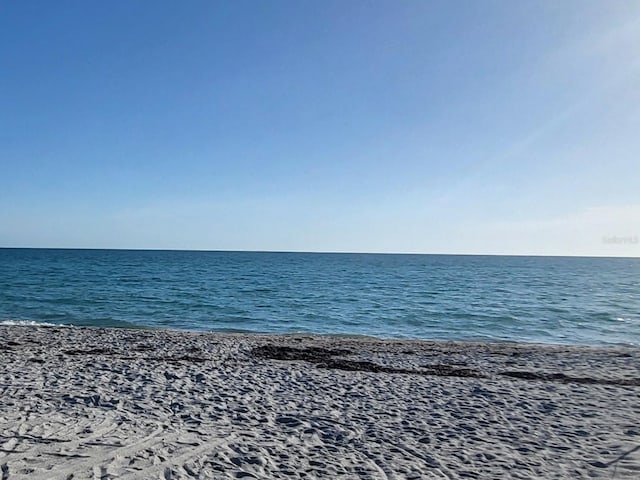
527	299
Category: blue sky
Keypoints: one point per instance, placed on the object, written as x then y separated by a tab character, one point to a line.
378	126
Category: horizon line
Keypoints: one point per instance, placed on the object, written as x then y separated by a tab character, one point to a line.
336	252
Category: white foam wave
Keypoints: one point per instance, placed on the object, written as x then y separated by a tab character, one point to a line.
30	323
627	320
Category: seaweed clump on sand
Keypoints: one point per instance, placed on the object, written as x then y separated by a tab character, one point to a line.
328	358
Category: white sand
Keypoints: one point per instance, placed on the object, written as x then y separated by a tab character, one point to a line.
95	403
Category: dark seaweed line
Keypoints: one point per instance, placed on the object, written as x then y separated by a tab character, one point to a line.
325	358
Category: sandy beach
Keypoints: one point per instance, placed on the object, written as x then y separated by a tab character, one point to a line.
139	404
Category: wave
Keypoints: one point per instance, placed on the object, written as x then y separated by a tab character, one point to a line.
102	322
31	323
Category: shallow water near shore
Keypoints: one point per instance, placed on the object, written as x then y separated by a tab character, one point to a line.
590	301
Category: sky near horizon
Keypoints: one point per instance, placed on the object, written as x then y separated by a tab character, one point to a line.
488	127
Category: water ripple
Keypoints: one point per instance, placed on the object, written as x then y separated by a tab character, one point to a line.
530	299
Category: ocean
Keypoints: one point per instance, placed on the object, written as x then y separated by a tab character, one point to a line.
558	300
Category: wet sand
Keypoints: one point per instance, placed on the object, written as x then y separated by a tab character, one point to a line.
140	404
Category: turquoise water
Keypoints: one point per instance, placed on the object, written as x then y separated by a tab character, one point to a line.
526	299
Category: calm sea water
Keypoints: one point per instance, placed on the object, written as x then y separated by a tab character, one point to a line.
525	299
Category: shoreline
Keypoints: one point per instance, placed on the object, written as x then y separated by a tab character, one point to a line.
110	403
337	336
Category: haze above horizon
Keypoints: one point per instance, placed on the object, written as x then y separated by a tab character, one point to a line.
489	127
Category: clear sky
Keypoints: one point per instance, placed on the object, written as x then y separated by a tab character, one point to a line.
501	127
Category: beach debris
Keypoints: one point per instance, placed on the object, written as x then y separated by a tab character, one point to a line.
327	358
562	378
91	351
